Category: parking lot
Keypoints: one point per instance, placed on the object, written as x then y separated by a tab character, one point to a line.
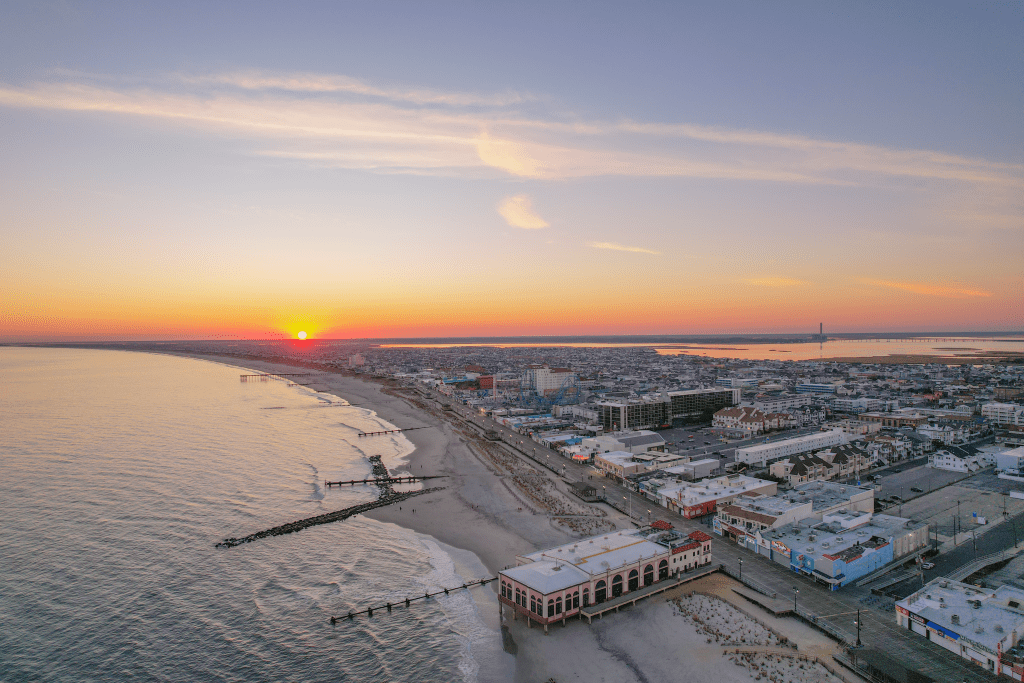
979	495
925	478
707	445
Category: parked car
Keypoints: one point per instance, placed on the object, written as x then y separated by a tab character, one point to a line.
928	565
916	490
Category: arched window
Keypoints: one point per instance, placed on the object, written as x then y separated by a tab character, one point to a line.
634	579
617	586
558	605
504	589
517	596
586	597
663	570
576	600
600	591
649	575
533	603
551	608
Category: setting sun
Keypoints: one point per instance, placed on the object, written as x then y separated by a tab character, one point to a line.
302	335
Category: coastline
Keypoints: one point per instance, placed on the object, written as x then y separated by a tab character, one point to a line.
478	520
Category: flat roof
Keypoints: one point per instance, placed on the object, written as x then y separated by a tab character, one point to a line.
601	553
982	615
807	438
826	494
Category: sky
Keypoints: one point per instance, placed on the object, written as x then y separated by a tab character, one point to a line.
419	169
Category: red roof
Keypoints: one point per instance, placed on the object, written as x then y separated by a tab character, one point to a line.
661	525
700	536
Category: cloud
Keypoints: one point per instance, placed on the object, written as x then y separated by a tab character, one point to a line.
621	247
775	282
931	290
518	212
340	121
330	83
507	156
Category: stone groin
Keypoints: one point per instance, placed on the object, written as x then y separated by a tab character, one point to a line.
327	518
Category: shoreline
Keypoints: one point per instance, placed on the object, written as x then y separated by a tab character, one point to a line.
479	520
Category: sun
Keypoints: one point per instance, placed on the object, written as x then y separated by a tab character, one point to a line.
302	335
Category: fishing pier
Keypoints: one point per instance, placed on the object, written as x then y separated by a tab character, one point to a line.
391	431
266	377
392	480
381	477
408	601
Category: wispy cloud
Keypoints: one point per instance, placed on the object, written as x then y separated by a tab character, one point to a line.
775	282
518	212
331	83
337	120
622	247
931	290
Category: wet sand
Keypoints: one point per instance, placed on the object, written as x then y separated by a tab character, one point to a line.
483	511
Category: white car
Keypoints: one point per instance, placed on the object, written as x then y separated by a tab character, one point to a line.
928	565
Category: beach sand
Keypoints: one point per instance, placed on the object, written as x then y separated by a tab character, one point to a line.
487	509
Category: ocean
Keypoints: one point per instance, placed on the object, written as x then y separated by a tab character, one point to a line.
119	471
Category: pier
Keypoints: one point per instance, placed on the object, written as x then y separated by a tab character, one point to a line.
392	480
266	376
408	601
391	431
381	477
336	516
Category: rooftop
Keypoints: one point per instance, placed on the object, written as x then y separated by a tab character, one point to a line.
986	617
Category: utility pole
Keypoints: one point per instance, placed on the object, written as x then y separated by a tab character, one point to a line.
858	627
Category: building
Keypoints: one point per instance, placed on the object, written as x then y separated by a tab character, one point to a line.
956	459
696	499
895	420
752	515
804	467
979	624
696	404
762	454
858	404
814	388
748	419
855	427
554	584
1003	413
807	503
545	381
632	442
646	413
775	403
844	546
619	464
1011	462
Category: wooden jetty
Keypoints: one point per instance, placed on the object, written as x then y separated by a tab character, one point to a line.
336	516
391	431
393	480
408	601
265	376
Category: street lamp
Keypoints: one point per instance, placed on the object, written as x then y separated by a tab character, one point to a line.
796	592
858	627
604	492
741	569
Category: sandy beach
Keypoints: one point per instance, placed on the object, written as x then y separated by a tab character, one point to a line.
497	505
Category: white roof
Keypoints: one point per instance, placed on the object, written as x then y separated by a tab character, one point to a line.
599	554
547	576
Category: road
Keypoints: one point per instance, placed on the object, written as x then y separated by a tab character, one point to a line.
838	608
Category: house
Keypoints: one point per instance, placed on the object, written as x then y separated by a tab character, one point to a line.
956	459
